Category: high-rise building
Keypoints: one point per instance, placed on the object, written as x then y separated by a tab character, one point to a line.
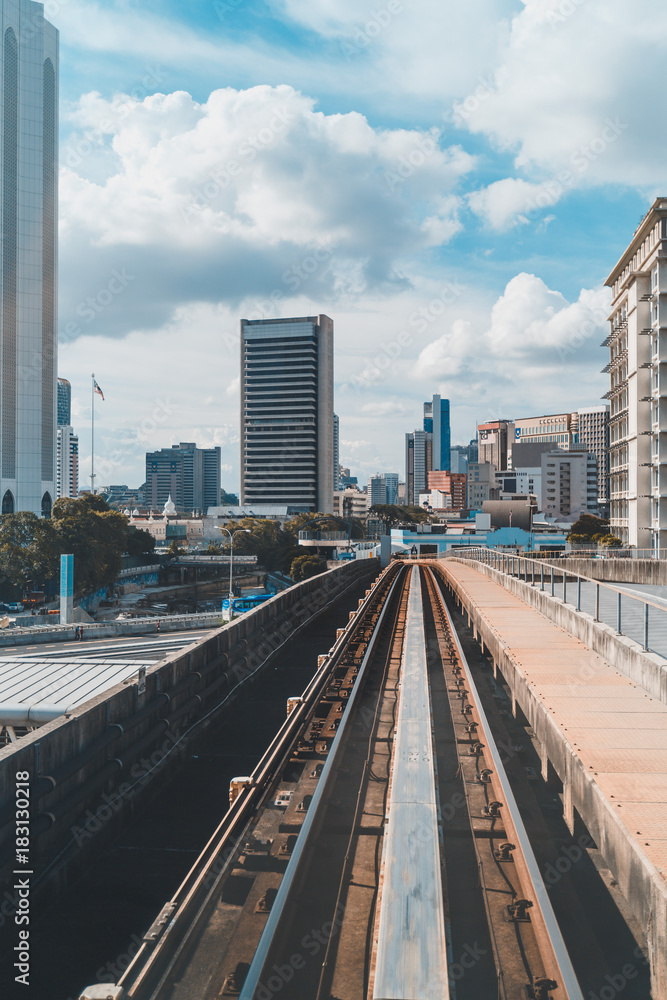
458	460
558	430
287	419
593	434
495	443
383	489
481	484
186	473
28	186
67	445
67	462
569	483
638	391
64	402
418	462
452	483
436	422
336	448
427	449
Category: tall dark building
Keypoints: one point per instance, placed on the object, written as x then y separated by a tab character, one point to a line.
287	420
190	475
64	403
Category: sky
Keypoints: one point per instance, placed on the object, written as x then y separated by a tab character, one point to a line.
451	183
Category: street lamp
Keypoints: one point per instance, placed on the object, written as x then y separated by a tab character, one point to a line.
245	531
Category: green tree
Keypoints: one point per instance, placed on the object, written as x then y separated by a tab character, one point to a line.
96	535
303	567
174	549
395	514
139	542
28	549
610	541
588	528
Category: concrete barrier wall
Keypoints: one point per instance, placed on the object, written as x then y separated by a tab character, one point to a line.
641	884
653	571
89	768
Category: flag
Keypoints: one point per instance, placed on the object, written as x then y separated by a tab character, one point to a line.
97	389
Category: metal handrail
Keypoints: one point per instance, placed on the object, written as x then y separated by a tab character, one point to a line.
511	565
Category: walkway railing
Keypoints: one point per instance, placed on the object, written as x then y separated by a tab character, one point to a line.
607	552
642	619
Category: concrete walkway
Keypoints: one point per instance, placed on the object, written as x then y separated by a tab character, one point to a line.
605	736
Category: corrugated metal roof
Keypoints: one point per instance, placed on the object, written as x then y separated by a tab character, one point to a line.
34	691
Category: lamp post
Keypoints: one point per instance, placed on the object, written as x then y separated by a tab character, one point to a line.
245	531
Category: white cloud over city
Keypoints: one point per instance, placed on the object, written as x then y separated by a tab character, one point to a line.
421	181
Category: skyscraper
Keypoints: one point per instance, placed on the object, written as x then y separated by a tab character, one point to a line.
287	420
64	402
436	422
593	434
190	475
336	447
383	488
427	449
67	445
28	182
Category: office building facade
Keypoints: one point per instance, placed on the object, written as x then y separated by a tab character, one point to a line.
418	462
336	452
454	484
569	483
437	423
287	419
481	484
383	489
67	445
64	403
638	389
593	434
186	473
495	443
28	251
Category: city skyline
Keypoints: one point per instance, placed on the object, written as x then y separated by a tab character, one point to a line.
462	249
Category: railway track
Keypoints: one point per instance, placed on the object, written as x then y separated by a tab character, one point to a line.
377	851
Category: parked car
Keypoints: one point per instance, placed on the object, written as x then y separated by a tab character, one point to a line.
15	607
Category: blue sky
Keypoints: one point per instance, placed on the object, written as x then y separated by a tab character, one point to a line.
452	183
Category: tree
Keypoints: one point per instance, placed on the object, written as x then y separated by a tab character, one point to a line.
394	514
303	567
610	541
174	549
28	549
588	528
139	542
96	535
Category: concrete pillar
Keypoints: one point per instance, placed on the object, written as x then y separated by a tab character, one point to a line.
568	807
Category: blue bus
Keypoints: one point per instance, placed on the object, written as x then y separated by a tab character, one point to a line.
242	604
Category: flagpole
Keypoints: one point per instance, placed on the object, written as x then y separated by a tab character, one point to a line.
92	435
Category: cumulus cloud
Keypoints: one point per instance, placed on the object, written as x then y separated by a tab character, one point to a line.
537	350
512	201
568	92
254	192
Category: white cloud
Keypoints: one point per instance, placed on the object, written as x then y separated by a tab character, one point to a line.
569	91
260	193
537	351
512	201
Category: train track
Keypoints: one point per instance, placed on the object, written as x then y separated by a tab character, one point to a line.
377	851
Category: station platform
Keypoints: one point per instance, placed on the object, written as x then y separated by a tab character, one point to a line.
604	735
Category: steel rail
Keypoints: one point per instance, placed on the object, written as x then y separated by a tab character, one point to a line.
297	859
557	961
194	892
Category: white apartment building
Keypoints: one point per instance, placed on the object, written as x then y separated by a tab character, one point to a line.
67	463
481	484
569	483
638	392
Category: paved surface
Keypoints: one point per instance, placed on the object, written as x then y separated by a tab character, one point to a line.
146	647
615	728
